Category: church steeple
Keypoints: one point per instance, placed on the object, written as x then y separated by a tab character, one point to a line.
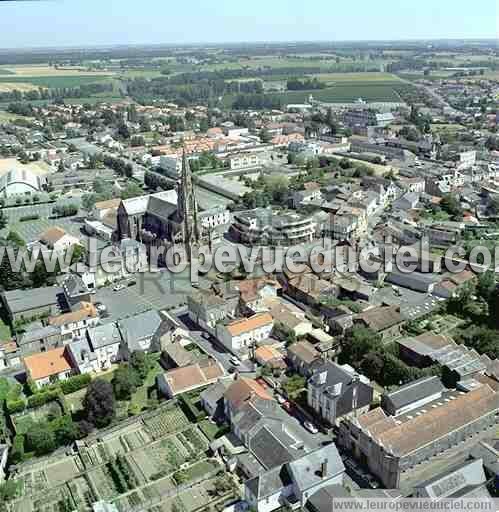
188	208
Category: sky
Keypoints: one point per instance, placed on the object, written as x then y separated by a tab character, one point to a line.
103	22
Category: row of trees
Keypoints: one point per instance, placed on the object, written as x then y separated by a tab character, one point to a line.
57	93
364	350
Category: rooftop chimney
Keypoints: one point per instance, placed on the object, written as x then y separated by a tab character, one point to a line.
324	469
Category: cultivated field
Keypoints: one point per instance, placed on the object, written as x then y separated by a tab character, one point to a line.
16	86
32	71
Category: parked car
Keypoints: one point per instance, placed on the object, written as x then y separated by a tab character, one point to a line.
280	399
311	427
235	361
132	282
118	287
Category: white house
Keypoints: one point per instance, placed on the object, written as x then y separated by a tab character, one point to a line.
241	334
105	343
48	367
56	239
75	323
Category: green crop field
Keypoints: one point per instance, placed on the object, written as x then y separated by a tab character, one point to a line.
55	81
343	92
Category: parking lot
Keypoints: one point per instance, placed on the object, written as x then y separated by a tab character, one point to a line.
31	230
412	304
152	290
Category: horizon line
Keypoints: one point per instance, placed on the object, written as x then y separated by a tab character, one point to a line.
195	44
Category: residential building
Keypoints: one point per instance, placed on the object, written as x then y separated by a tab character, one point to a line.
240	392
295	482
181	380
105	341
48	367
57	240
76	322
383	320
39	302
240	335
38	338
335	392
137	332
303	358
266	227
207	309
212	398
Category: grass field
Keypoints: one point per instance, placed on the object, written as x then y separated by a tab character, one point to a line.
10	86
53	81
36	71
343	92
356	77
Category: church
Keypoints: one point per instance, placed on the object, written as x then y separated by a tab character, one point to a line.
170	217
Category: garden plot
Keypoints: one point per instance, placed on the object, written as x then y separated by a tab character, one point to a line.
34	482
62	472
54	500
166	422
25	420
101	481
160	459
82	493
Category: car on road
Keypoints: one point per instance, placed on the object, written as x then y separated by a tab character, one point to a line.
235	361
206	335
132	282
100	307
118	287
280	399
311	427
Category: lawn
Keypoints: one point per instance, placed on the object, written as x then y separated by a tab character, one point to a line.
140	397
5	332
212	430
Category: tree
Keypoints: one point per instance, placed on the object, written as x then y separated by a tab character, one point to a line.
99	404
451	205
138	361
3	220
15	239
124	382
131	190
486	285
40	439
88	201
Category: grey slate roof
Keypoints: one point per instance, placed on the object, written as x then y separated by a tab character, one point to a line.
269	483
414	391
455	480
267	448
306	471
38	334
104	335
24	300
138	327
79	348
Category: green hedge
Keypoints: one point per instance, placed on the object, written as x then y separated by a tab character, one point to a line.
26	218
75	383
14	406
190	409
43	398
